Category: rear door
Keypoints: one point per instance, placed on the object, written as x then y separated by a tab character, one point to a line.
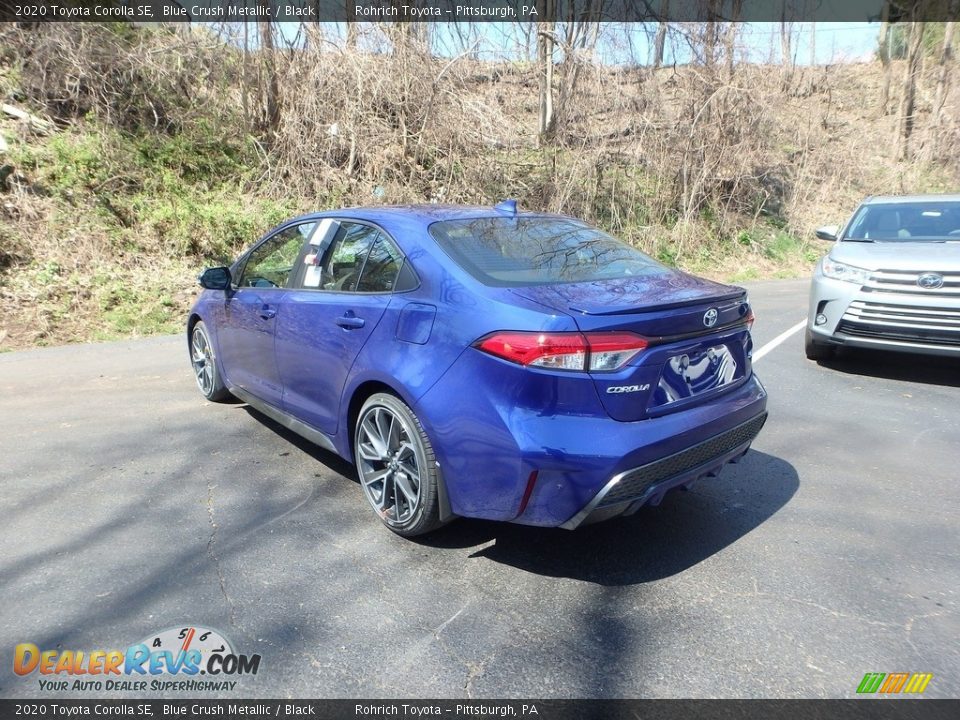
339	297
252	308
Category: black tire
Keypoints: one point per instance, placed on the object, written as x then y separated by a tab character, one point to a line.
206	371
395	462
817	351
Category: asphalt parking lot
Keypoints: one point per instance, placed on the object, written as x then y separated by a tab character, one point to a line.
130	505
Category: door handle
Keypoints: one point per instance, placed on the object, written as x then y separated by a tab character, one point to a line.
267	312
349	321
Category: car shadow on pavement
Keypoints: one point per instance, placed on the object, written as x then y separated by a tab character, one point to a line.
886	365
655	543
330	459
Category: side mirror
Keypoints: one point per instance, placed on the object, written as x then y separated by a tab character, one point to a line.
827	232
217	278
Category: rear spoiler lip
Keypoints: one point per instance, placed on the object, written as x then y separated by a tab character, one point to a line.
737	293
667	339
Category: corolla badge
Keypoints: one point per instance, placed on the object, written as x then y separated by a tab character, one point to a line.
930	281
620	389
710	317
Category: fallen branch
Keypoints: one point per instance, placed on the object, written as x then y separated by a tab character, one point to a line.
37	124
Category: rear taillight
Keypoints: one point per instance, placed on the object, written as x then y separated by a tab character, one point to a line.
611	351
590	352
556	351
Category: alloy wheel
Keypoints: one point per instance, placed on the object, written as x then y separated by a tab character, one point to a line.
202	359
388	465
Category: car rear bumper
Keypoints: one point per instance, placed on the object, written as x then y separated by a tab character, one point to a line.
544	451
920	322
630	490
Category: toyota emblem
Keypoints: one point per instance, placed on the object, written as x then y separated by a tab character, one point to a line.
930	281
710	317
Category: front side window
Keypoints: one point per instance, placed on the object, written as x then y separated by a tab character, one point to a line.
514	252
906	221
270	265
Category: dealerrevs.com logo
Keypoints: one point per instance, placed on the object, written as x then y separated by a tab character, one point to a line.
173	659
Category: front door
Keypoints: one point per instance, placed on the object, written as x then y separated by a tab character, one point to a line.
251	309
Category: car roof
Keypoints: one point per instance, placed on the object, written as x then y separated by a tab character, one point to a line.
425	213
930	197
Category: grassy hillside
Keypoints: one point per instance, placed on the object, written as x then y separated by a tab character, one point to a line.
148	155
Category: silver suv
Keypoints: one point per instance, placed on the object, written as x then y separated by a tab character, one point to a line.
891	280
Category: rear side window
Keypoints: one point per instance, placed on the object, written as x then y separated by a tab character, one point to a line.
516	252
347	256
383	264
343	263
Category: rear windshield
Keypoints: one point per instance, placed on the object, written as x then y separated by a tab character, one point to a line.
523	251
906	221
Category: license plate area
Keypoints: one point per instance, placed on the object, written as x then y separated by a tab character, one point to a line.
697	372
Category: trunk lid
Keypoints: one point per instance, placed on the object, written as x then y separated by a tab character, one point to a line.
699	341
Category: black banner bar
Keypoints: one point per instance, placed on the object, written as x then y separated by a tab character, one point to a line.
858	709
474	10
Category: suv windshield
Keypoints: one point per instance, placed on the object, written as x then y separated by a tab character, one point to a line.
523	251
906	221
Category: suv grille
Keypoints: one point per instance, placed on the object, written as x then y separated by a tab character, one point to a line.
905	323
637	482
893	281
923	337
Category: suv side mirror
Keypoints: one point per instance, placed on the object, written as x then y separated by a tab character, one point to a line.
217	278
827	232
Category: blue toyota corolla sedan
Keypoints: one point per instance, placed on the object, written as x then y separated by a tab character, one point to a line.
483	362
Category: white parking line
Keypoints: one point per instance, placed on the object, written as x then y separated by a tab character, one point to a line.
778	339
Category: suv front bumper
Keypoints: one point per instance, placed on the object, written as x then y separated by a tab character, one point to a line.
871	316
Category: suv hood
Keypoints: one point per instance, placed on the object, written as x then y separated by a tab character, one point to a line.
917	256
660	290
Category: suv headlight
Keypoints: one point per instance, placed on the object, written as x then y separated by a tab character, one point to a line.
841	271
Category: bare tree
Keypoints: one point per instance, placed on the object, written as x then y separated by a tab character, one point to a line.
946	58
350	7
420	33
271	84
813	43
884	52
905	119
702	38
786	42
244	79
546	42
711	31
409	35
661	37
730	37
580	41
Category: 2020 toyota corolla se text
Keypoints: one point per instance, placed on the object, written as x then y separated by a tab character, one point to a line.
483	362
